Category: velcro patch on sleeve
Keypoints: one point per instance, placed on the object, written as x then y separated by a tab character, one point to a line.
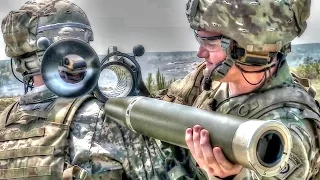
293	163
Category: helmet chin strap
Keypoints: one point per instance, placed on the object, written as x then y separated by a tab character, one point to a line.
221	69
217	73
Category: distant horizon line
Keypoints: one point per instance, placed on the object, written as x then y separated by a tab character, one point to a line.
176	51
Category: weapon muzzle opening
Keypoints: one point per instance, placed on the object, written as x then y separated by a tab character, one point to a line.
270	148
119	82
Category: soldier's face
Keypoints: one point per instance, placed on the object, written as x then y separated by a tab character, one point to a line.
210	48
212	52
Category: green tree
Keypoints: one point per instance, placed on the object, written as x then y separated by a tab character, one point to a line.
309	69
150	82
159	83
160	79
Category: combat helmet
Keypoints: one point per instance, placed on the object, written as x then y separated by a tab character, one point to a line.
36	19
259	29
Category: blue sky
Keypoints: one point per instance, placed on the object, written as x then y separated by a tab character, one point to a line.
159	25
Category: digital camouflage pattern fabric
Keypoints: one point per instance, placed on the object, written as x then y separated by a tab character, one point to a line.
276	23
100	146
19	27
54	20
82	145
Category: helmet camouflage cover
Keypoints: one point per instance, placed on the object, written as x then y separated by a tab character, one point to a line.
256	25
20	28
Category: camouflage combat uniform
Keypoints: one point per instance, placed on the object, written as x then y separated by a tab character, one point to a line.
46	137
32	147
254	33
104	148
101	146
305	152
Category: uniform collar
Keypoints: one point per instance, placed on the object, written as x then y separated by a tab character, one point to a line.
37	95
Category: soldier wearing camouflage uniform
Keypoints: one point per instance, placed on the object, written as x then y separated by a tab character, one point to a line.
245	73
46	137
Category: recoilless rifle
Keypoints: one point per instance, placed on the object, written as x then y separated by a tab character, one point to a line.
262	146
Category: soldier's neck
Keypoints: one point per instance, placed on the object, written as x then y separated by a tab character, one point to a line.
247	84
238	89
38	81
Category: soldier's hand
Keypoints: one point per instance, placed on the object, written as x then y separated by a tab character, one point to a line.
212	160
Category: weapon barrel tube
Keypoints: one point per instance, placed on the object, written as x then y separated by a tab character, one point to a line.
262	146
